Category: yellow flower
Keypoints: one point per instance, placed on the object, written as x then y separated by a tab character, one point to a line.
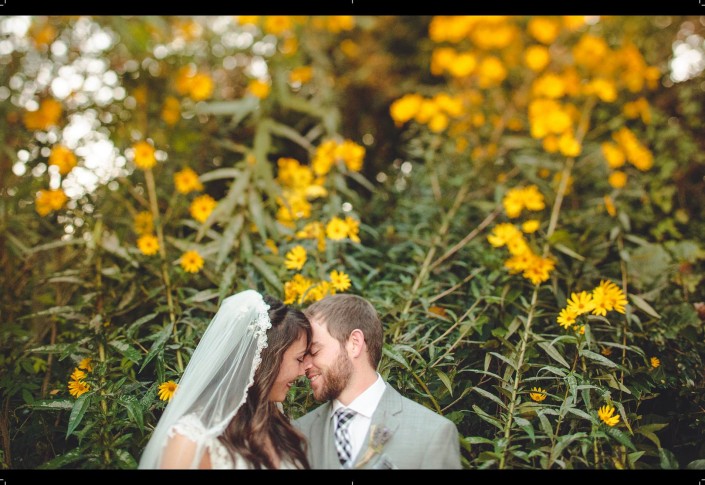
606	351
171	111
353	229
191	261
405	108
336	229
144	155
491	72
148	244
537	394
566	317
569	146
655	362
617	179
295	258
277	24
259	89
201	207
78	374
45	117
613	154
607	297
539	269
463	65
50	200
581	302
605	413
302	75
544	30
536	57
63	158
272	246
319	291
295	289
516	199
503	233
87	364
187	181
530	226
351	154
201	87
76	388
167	390
609	205
339	280
144	223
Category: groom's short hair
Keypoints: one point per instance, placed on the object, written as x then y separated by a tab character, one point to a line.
344	313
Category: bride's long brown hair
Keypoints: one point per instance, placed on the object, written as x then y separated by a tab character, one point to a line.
259	419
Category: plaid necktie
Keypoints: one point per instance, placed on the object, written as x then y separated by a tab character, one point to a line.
342	436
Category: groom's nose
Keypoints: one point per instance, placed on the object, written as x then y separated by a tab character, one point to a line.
308	362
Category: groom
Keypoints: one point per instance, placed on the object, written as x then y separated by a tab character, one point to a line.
366	423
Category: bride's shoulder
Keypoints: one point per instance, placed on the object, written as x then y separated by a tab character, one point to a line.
188	426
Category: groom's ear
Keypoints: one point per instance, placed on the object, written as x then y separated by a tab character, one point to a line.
356	343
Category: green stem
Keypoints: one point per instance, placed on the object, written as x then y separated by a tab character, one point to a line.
152	191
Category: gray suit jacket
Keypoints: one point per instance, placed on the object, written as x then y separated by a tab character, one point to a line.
418	437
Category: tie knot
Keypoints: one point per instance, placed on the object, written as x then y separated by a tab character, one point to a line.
343	415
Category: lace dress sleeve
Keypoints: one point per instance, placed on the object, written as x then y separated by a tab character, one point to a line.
191	428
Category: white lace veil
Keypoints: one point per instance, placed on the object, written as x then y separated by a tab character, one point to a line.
215	382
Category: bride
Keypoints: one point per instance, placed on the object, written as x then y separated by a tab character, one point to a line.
226	412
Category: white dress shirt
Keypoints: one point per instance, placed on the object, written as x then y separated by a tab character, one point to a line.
364	406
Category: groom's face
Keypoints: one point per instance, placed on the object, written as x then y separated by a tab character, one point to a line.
327	365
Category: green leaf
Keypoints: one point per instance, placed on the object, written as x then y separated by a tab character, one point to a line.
478	440
490	396
203	295
134	410
158	344
553	353
238	109
256	211
545	424
486	417
566	250
226	280
511	363
580	413
127	350
445	380
79	410
640	303
597	357
220	173
125	460
267	273
138	323
564	441
622	437
526	425
395	356
51	405
227	241
52	349
63	460
290	133
696	465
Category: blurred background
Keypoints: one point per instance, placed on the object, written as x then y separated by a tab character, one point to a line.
521	198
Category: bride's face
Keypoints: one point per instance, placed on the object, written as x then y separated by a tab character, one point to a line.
292	368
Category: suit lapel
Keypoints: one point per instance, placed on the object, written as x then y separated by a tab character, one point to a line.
324	447
385	416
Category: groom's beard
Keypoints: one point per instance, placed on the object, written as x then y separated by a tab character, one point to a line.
335	379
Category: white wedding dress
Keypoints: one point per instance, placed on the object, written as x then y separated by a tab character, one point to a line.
191	427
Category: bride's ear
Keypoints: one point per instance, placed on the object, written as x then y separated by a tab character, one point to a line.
356	343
